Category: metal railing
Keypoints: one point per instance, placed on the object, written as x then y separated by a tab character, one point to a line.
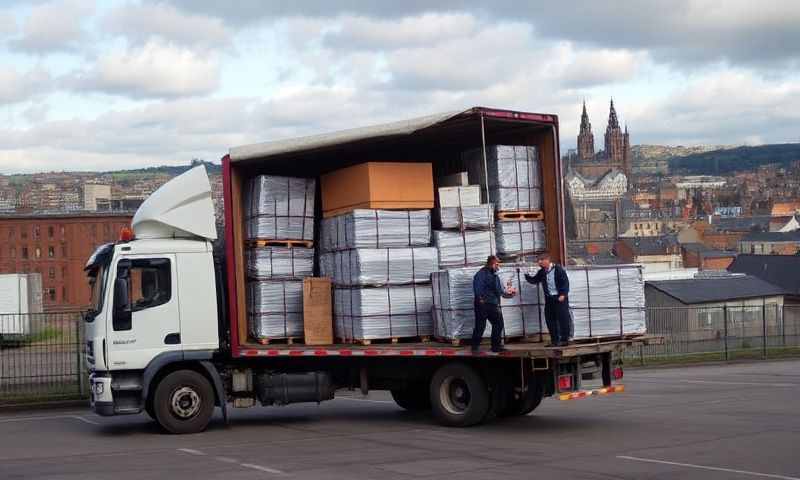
41	357
720	333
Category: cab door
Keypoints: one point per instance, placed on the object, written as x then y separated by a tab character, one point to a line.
145	318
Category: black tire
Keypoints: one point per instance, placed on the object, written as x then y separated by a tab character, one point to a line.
148	408
414	398
459	396
523	404
183	402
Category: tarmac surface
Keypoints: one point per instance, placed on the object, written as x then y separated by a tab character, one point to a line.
737	421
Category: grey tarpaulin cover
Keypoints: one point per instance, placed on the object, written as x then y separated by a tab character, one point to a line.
367	228
264	263
470	247
515	238
275	308
280	208
607	300
380	266
453	304
369	313
480	217
514	175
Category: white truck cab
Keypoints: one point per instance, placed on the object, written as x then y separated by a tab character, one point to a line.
154	297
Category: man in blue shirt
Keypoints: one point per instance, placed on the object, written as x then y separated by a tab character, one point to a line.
555	284
488	289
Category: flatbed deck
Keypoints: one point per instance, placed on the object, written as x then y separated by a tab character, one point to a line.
437	349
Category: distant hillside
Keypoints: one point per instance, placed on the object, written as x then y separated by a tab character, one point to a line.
665	152
720	162
171	170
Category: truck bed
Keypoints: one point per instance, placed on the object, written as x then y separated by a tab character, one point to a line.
436	349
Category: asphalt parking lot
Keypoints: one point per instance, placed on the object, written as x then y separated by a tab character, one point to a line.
709	422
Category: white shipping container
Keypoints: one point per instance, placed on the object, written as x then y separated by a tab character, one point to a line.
469	196
20	296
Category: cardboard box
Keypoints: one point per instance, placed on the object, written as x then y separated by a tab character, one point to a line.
317	311
469	196
380	185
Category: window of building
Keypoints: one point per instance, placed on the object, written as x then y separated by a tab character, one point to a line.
25	253
36	232
51	252
64	294
38	252
62	231
24	233
51	231
63	273
12	233
64	250
51	273
51	294
13	252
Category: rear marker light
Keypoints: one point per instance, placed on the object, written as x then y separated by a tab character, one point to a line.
618	373
565	382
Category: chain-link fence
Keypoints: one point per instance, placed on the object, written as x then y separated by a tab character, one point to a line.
41	357
720	333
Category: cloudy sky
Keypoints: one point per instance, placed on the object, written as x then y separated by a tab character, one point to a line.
123	83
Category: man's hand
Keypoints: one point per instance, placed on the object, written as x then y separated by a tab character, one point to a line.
511	291
561	298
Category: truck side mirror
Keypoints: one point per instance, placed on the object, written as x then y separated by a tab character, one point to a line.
122	316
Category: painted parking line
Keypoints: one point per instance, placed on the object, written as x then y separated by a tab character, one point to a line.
706	467
229	460
49	417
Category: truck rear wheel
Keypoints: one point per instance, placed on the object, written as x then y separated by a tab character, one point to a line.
414	398
459	396
183	402
527	401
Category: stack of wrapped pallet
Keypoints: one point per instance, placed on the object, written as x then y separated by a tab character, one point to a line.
375	243
466	236
453	304
514	184
279	254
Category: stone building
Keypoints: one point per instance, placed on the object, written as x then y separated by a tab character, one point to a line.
617	148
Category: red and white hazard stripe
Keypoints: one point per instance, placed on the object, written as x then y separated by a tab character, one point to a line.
367	352
590	393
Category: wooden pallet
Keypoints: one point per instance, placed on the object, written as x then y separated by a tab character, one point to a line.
384	341
280	341
605	338
517	216
281	243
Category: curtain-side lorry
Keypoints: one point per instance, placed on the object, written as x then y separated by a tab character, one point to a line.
167	329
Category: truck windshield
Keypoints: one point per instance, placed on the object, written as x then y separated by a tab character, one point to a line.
97	282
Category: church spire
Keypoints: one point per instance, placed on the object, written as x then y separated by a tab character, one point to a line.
586	126
613	122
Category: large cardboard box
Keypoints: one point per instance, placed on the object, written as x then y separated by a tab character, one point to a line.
317	311
380	185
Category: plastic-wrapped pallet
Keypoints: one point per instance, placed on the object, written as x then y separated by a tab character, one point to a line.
275	308
479	217
380	266
371	313
607	300
280	208
453	304
514	175
470	247
366	228
515	238
265	263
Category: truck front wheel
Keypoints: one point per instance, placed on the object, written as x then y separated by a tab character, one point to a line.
459	396
183	402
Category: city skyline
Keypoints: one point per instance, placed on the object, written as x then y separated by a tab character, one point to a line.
126	84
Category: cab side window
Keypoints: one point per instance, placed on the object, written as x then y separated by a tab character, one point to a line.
151	283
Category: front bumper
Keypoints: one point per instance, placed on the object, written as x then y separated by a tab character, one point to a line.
100	398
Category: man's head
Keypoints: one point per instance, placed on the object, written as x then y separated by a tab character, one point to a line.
493	263
544	261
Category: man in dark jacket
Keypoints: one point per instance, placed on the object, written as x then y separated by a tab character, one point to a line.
488	289
555	285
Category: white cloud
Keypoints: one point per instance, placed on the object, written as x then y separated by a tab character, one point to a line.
18	87
8	24
364	33
141	23
152	71
592	67
55	26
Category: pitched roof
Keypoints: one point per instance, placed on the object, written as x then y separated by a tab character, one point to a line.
741	224
716	289
785	209
793	236
651	245
780	270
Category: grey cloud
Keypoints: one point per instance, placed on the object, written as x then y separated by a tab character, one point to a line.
18	87
55	26
140	23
